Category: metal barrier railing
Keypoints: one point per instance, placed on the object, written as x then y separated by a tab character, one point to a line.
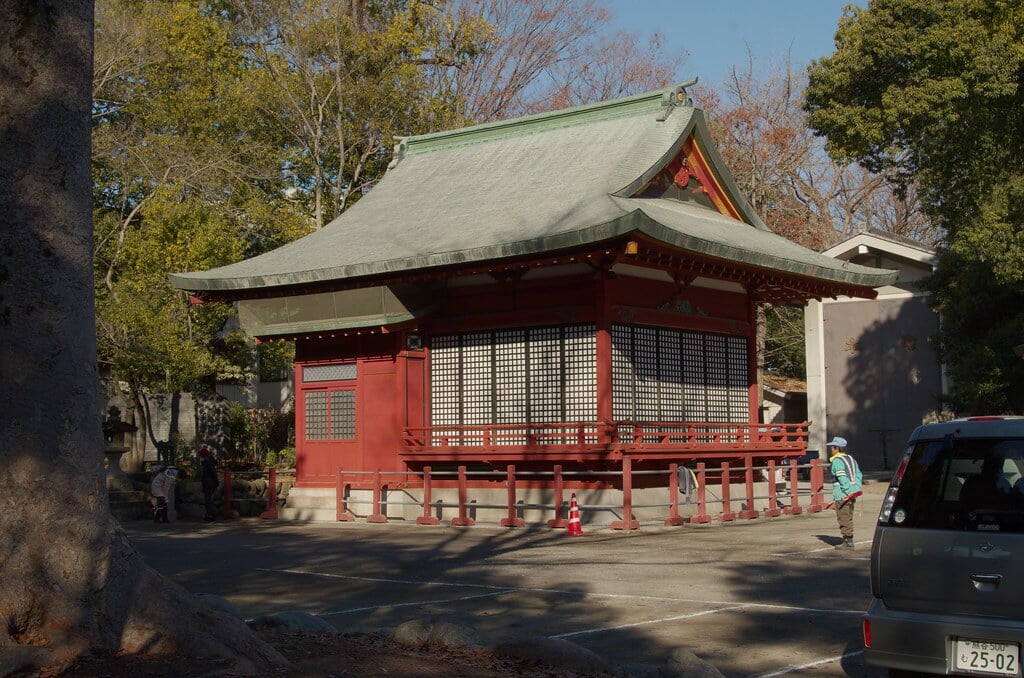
770	504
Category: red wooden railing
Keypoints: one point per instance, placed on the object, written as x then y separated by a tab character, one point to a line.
703	510
596	440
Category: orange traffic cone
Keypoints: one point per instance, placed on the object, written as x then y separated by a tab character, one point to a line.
575	528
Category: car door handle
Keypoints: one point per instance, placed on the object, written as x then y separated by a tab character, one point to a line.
987	578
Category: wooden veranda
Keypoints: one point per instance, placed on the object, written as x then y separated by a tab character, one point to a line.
589	442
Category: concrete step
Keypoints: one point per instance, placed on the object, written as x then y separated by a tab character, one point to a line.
311	498
308	514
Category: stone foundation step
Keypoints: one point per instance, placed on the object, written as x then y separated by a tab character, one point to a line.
310	514
311	504
311	498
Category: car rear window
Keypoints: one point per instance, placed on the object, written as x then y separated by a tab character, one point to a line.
969	484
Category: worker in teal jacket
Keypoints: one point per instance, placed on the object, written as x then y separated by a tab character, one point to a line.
846	487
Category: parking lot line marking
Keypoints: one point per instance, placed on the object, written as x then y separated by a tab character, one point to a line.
421	602
411	582
810	665
692	615
823	548
505	589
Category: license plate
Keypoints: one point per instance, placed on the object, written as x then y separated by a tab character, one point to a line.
986	657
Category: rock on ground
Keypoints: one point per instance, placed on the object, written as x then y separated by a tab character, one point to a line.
430	631
555	652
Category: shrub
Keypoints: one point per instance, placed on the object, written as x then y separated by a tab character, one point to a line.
254	433
286	456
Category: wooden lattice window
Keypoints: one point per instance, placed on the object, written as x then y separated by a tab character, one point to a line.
661	374
514	376
330	403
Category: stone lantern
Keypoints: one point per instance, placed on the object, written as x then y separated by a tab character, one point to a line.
114	431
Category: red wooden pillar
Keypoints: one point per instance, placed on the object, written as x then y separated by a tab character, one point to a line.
627	523
673	520
702	515
378	514
749	511
794	508
343	514
773	509
426	518
559	519
512	520
754	390
271	512
726	515
603	339
463	519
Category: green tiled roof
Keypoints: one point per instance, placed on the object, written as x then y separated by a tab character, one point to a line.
528	186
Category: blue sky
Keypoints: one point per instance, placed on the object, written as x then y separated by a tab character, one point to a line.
716	33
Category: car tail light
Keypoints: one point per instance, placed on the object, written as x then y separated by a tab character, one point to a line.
867	633
894	486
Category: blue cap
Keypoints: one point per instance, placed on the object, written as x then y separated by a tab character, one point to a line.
836	442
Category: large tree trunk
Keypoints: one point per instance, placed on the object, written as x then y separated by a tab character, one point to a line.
70	581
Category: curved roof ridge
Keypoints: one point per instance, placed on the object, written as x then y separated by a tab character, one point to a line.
657	100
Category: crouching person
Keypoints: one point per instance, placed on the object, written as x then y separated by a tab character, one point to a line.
161	487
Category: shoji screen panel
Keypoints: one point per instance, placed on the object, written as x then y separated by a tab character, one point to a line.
514	376
661	374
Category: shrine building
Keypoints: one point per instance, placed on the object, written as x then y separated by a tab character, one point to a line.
575	288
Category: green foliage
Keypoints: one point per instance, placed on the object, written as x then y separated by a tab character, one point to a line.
254	433
186	177
784	349
204	115
236	431
277	360
286	457
283	458
934	89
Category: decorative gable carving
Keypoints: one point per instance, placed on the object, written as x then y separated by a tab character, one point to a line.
689	178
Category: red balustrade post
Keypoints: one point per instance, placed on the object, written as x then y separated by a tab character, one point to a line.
773	510
426	518
512	520
748	512
673	520
702	515
463	519
794	508
343	514
817	487
726	515
378	515
271	512
228	509
559	519
627	523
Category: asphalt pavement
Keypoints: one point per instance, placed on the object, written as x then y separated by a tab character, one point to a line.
764	597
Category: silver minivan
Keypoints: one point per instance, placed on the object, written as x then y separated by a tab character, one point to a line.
947	562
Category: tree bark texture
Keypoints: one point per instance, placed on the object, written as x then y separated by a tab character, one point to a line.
70	580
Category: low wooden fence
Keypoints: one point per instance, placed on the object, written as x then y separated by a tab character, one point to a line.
706	508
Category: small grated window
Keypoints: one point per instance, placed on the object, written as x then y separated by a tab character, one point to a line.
340	372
